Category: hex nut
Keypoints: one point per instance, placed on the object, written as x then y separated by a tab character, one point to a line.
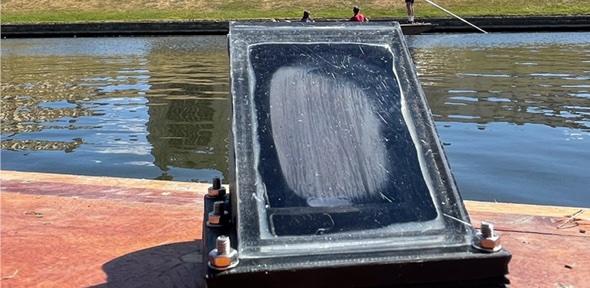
223	261
491	243
214	219
215	193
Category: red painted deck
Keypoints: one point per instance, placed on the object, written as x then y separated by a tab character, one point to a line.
72	231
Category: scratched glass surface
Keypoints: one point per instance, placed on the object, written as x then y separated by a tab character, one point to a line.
335	150
512	110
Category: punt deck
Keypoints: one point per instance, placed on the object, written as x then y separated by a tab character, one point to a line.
71	231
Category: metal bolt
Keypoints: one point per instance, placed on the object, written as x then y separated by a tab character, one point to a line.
217	217
487	239
216	190
223	245
223	257
216	183
218	207
487	229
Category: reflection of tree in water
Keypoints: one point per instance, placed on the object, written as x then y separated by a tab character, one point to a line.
22	119
188	133
29	83
517	85
185	83
32	145
188	122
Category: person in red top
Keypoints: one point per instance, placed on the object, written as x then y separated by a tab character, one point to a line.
358	16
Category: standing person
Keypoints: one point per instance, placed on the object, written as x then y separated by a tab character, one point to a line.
410	9
358	16
306	17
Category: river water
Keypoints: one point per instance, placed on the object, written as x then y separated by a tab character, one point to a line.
512	110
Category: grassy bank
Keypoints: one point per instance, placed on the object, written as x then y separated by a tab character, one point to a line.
25	11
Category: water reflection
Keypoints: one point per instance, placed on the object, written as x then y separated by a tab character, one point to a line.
188	106
16	145
513	110
116	103
536	84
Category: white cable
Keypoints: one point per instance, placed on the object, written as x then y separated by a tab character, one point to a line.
452	14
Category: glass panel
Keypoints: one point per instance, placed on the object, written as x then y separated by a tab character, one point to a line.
336	154
334	146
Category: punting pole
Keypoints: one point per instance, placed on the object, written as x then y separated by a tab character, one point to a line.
454	15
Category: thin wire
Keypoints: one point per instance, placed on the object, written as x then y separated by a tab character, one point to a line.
454	15
459	220
572	218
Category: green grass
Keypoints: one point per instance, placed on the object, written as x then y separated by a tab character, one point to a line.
254	9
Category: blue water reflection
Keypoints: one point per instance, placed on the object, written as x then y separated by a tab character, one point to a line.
513	110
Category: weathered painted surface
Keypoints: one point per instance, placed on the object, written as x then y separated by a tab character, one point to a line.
71	231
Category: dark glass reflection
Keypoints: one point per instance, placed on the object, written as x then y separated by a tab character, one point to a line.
336	154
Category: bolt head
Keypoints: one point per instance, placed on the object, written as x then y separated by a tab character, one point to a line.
223	261
491	243
215	193
214	219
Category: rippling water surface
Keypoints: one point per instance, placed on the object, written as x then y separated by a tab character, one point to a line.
128	107
513	110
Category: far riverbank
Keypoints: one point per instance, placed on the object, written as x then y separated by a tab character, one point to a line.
439	25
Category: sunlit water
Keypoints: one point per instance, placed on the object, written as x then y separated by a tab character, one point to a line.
127	107
513	110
